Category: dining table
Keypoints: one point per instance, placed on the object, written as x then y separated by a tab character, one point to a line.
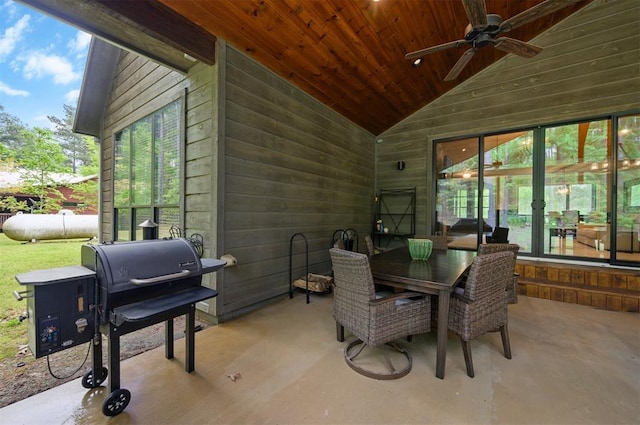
438	275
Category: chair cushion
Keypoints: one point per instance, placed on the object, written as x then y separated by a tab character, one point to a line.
382	294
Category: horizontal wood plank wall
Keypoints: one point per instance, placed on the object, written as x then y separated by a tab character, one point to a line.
140	88
589	67
291	165
201	153
201	160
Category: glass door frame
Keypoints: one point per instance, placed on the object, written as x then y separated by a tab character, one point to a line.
538	230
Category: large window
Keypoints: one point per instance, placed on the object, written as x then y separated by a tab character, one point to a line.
553	186
146	180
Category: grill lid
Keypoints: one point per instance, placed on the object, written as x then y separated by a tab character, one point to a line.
123	264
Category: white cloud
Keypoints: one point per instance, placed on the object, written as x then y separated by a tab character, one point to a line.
80	43
71	98
12	92
9	8
43	121
38	64
12	36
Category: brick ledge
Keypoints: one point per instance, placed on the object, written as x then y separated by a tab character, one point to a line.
608	288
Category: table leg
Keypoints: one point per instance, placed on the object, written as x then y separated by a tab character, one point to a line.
443	330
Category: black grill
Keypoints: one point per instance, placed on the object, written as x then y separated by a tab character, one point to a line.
120	288
130	272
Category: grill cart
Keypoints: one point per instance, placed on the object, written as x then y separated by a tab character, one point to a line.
119	288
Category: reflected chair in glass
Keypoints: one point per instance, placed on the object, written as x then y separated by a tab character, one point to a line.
482	307
499	235
570	218
512	288
376	321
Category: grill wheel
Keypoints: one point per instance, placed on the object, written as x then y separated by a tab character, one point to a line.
116	402
89	382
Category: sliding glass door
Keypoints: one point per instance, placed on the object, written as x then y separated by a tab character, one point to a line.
577	179
626	237
507	185
570	190
457	196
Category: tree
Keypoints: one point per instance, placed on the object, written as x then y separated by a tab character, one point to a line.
73	144
11	204
40	158
93	153
11	138
87	194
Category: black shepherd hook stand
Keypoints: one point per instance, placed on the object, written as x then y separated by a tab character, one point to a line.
306	275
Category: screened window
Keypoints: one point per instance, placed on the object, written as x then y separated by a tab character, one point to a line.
147	163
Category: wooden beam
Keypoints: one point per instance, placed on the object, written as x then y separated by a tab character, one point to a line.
109	25
162	23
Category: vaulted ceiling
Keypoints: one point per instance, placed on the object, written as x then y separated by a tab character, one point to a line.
348	54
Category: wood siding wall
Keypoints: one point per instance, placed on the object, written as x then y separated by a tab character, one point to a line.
291	165
263	161
589	68
141	87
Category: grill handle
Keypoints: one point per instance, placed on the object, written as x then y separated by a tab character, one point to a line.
22	295
158	279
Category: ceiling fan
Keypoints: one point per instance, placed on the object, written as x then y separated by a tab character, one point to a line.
483	29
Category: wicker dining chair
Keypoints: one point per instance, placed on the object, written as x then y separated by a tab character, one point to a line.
490	248
375	321
339	243
371	248
499	235
482	307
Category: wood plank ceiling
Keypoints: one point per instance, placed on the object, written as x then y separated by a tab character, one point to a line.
348	54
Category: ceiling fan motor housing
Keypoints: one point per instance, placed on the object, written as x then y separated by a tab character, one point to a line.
489	31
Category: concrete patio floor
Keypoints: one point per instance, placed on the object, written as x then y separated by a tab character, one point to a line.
571	365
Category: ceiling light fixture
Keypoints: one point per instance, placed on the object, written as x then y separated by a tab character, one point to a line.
416	63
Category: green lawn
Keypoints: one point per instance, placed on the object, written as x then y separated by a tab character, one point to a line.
15	258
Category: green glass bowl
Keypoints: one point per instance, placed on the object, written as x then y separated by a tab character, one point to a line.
420	249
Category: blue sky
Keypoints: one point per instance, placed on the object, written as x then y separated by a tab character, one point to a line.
42	61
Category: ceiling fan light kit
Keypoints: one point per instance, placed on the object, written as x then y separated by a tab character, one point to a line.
484	29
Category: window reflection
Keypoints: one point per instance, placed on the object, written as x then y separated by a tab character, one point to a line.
567	210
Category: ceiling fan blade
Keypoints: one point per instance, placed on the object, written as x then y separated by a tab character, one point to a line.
422	52
462	62
476	12
534	12
517	47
